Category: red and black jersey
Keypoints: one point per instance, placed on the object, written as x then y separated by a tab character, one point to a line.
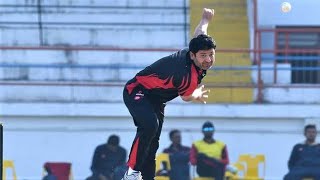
168	77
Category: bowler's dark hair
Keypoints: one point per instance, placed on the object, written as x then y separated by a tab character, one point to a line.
173	132
310	126
201	42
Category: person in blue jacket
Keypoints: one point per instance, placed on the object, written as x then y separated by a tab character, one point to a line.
179	157
304	160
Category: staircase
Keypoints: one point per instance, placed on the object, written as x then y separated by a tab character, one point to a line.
230	30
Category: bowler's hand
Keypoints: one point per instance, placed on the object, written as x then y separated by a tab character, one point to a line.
200	95
207	14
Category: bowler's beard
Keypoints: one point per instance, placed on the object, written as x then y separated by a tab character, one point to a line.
202	65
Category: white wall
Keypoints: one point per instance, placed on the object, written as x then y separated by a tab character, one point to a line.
137	36
303	13
147	27
112	92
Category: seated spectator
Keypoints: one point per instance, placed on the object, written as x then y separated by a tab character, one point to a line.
179	157
209	155
108	159
305	157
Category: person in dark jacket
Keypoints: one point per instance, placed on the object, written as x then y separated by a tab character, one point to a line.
179	157
107	159
305	157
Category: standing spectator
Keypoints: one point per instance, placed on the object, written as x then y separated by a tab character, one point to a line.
179	157
209	155
305	157
108	158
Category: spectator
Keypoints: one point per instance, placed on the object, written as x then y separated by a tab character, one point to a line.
179	157
108	159
305	157
209	155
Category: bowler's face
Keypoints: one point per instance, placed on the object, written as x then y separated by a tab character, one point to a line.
204	59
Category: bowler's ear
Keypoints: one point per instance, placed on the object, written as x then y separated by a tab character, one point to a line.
192	56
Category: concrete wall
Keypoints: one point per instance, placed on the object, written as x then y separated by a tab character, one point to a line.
303	13
107	85
270	14
168	33
110	23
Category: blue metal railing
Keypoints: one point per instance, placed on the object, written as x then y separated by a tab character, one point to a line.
290	58
126	66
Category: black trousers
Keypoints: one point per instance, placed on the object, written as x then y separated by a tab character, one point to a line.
148	118
298	173
209	167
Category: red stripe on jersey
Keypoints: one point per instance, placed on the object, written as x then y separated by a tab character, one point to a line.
153	81
194	82
133	155
131	86
185	82
184	85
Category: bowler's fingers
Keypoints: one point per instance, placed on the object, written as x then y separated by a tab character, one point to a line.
204	94
207	10
206	91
